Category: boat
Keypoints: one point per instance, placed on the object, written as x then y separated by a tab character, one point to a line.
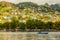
42	32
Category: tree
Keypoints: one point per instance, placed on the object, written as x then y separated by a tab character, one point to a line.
22	25
1	26
49	25
57	25
7	25
30	24
14	23
40	24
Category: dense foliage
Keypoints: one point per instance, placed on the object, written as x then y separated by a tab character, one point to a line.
28	15
30	24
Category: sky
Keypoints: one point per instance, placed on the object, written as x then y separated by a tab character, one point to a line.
35	1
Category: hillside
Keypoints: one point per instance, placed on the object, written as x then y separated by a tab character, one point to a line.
6	6
28	5
29	15
45	8
27	11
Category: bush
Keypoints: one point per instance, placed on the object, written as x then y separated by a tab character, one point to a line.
57	25
49	25
30	24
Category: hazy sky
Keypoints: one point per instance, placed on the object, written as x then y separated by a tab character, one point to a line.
36	1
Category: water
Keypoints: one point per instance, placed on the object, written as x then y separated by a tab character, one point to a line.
29	36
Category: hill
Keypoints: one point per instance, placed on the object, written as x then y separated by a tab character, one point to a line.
7	7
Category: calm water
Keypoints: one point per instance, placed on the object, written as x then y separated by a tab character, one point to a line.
29	36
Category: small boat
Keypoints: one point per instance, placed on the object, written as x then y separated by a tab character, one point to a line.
42	32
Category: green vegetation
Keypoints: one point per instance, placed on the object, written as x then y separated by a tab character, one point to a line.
30	24
28	15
